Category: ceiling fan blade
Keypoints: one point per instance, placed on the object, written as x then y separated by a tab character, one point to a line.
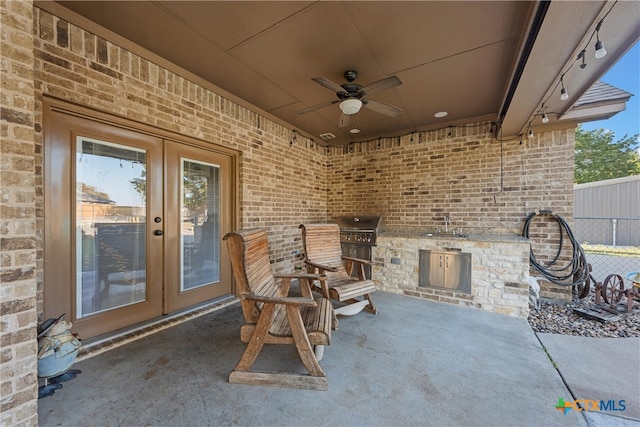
344	120
381	107
317	106
380	85
329	84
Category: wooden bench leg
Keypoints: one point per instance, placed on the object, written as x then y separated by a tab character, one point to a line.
302	343
255	344
371	307
316	380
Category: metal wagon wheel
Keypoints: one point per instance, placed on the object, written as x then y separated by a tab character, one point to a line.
613	289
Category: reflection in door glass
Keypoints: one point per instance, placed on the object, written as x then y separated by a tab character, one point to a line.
200	224
110	226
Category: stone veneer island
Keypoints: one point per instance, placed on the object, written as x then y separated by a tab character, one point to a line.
499	269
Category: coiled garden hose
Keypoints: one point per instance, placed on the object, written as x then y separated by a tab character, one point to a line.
575	272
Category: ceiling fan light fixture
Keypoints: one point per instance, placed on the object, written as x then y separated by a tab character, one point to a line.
350	106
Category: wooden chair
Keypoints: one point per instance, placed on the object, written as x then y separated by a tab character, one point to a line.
273	317
323	255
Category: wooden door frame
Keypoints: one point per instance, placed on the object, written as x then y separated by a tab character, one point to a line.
55	105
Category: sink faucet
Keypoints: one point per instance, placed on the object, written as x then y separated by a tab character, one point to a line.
447	221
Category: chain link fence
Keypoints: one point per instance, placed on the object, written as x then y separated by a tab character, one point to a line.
612	245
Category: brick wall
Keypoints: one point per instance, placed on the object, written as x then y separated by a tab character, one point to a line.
416	180
282	175
413	181
18	364
483	185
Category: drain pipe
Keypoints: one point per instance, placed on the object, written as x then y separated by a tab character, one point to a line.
536	24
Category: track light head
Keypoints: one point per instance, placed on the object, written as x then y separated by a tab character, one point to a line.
581	56
545	118
600	50
563	92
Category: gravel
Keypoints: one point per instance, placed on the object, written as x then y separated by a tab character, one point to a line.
561	319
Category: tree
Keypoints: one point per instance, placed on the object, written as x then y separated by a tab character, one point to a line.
194	187
598	158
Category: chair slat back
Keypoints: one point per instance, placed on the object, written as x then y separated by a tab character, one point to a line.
249	254
322	246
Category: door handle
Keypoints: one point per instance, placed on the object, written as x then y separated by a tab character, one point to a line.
157	233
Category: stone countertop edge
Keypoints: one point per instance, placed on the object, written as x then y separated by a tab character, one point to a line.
506	238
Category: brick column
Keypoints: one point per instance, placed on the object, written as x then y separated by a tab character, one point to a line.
18	354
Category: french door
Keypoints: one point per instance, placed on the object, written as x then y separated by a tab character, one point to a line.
133	223
198	191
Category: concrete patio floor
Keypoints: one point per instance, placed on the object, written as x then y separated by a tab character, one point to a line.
417	362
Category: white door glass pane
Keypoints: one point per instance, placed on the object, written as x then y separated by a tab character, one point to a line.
111	189
200	227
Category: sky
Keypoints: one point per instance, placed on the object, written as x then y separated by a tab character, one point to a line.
625	75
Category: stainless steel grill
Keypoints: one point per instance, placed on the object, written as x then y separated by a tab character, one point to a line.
358	235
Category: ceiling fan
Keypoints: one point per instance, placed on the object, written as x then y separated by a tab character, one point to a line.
352	96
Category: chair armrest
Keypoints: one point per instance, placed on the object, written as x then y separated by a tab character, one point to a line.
307	276
320	266
304	279
300	301
358	260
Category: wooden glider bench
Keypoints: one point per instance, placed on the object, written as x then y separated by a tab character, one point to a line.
273	317
323	255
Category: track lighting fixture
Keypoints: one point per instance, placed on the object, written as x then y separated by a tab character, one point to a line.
581	56
600	51
563	92
582	60
545	118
